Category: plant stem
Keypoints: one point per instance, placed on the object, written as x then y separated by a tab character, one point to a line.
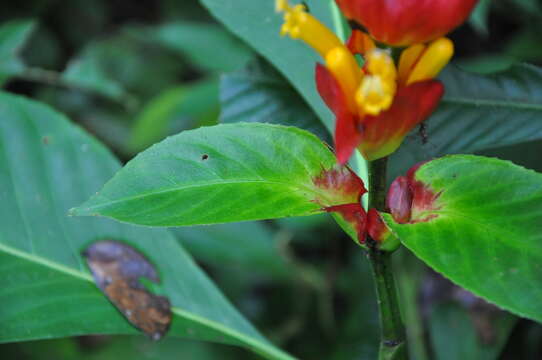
393	340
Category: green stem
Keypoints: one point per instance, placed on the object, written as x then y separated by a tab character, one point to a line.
393	340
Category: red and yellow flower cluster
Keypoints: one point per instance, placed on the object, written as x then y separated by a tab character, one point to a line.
378	103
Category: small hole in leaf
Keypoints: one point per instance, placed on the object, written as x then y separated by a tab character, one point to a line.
204	157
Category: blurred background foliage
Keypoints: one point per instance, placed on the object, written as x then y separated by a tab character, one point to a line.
133	72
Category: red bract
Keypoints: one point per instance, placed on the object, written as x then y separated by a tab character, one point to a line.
355	215
405	22
409	199
380	135
399	200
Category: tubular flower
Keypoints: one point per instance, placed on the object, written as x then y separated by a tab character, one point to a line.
378	104
406	22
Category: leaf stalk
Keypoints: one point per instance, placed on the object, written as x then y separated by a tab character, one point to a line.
392	339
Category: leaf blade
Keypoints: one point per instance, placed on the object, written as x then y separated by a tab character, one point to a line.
13	36
480	238
47	291
259	25
479	112
238	171
258	93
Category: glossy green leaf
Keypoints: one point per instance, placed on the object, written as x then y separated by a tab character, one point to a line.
479	112
257	23
175	109
207	46
258	93
223	173
13	36
484	231
46	290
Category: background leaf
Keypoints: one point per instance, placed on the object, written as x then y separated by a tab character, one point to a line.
478	112
487	230
257	23
46	290
217	174
478	17
453	335
201	43
13	36
258	93
173	110
219	245
88	71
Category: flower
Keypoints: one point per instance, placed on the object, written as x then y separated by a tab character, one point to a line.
406	22
378	104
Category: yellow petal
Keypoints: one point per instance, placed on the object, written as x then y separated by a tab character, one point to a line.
432	61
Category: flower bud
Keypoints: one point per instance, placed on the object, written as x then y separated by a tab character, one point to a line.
399	200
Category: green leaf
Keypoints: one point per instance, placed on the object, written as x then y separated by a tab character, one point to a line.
87	71
479	112
46	290
114	347
219	245
484	230
258	93
178	108
117	67
225	173
257	23
454	334
478	17
487	64
207	46
13	36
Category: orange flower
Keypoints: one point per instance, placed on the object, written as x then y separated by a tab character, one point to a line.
378	104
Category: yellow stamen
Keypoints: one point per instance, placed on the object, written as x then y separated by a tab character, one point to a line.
377	89
301	25
281	5
432	61
339	60
408	59
346	71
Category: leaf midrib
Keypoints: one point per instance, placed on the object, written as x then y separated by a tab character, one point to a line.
177	311
297	187
492	103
